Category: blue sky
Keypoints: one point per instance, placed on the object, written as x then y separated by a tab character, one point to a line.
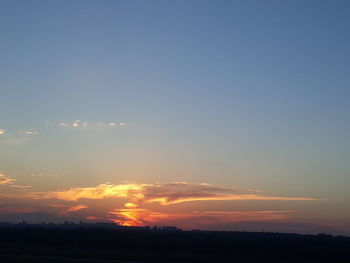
251	94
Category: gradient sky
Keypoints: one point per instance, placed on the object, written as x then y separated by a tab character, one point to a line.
167	112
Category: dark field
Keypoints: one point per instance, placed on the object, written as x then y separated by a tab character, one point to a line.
130	245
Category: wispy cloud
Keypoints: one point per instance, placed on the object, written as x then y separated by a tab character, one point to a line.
10	182
27	134
22	187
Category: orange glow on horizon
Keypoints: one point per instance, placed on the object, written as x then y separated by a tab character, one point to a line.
143	217
134	201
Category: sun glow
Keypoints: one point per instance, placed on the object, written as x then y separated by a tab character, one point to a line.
136	216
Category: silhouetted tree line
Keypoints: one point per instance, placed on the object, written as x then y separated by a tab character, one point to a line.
151	245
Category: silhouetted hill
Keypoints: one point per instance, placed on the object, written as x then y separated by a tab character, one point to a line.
157	245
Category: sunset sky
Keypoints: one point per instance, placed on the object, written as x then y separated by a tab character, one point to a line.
218	115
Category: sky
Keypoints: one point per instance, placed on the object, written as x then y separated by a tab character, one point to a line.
219	115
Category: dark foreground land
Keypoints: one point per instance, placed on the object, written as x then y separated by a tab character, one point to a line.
145	245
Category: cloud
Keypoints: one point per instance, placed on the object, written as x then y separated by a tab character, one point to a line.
164	194
101	191
30	132
25	135
85	124
6	180
76	208
179	192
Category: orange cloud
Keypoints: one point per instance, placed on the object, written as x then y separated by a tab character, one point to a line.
212	197
101	191
130	205
95	218
6	180
164	194
76	208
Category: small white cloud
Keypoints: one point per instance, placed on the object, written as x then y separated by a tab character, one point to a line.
115	124
31	132
2	131
84	124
